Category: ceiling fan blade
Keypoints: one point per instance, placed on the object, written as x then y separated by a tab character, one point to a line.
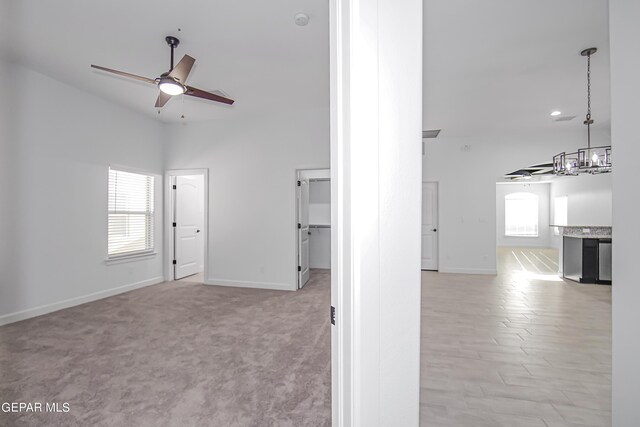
163	98
182	69
122	73
192	91
543	165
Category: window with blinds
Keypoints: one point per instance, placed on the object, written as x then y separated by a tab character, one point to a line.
521	215
131	213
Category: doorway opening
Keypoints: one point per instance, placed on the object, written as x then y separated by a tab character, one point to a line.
313	222
186	219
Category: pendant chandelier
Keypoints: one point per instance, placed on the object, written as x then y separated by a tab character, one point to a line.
591	160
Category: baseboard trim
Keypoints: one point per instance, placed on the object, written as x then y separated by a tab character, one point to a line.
247	284
72	302
486	271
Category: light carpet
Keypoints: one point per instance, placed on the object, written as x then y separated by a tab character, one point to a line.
176	354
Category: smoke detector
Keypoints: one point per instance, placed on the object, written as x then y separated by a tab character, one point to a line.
301	19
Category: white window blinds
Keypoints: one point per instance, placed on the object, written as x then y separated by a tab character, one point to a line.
521	214
131	213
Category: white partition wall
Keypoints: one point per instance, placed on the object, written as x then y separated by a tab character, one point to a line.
376	174
624	16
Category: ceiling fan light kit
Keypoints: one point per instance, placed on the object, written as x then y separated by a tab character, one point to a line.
592	160
170	86
171	83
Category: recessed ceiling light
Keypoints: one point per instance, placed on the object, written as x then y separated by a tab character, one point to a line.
301	19
556	113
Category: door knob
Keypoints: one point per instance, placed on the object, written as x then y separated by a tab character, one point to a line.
435	229
197	231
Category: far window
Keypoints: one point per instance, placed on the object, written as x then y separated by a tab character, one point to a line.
131	213
521	215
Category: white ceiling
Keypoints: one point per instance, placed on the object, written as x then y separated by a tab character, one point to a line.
491	66
501	66
251	50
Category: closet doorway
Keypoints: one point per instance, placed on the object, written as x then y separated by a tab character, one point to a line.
313	222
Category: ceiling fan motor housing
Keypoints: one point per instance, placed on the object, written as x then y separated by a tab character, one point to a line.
172	41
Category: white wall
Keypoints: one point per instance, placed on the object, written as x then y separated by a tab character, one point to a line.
320	214
8	216
59	145
467	181
624	16
588	200
252	162
543	238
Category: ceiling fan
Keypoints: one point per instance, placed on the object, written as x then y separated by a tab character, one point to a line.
531	171
172	82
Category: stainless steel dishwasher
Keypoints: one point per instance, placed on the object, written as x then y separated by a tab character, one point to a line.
604	260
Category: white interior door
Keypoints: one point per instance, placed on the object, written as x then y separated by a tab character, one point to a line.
303	231
188	220
429	226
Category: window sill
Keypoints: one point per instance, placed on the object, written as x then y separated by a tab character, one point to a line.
129	258
520	236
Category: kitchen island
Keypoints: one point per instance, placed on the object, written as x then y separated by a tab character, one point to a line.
586	254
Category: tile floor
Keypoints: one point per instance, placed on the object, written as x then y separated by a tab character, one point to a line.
523	348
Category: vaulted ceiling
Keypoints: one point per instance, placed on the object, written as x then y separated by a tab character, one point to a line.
492	66
251	50
502	66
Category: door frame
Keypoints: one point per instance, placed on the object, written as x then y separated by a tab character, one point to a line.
311	174
169	243
437	183
376	173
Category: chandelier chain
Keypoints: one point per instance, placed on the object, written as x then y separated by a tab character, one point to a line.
589	87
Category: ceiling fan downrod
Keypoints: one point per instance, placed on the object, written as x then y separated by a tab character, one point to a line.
173	43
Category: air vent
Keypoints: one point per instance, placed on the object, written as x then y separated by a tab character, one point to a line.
564	118
430	133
